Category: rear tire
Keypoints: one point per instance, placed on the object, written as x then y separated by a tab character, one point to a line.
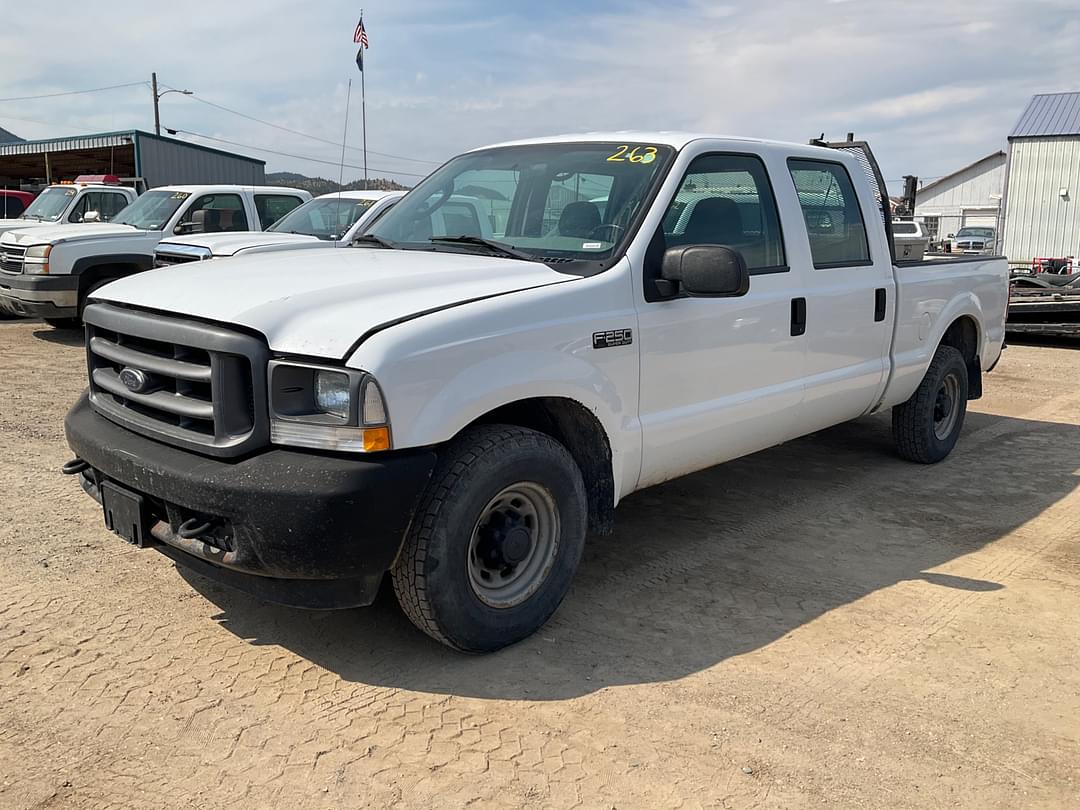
496	539
927	426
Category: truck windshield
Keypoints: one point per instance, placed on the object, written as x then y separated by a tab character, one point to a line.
50	204
325	217
552	201
980	233
152	210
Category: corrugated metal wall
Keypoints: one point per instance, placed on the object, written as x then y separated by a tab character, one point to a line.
977	187
1038	222
166	162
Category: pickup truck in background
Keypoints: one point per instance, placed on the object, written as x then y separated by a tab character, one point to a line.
13	203
48	272
91	198
457	403
332	220
973	239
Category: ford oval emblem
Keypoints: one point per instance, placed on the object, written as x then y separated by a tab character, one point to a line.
135	380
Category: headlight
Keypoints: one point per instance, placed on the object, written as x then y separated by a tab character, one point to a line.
326	408
36	260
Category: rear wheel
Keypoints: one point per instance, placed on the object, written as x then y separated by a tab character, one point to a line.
927	426
496	539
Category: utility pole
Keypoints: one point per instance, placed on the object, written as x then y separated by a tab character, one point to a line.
157	114
157	97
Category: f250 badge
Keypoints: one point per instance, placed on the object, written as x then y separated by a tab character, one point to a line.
612	338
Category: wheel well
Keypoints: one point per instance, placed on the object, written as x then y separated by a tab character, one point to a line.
575	427
963	335
98	273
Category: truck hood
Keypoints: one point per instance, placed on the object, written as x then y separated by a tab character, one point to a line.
23	224
320	302
66	233
228	244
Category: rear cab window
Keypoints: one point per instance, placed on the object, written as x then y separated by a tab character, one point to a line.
834	221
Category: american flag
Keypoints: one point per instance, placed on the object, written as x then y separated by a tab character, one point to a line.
360	36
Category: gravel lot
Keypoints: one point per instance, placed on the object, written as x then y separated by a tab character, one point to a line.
819	624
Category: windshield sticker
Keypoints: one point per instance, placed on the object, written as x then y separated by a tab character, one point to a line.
625	154
592	245
180	195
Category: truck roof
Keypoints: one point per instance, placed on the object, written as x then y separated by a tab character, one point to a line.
667	138
358	195
232	187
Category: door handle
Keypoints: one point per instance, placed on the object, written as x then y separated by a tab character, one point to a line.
798	316
879	304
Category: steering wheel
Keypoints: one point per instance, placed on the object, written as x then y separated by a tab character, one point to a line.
613	230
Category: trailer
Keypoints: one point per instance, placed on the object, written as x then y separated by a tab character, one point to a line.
1047	304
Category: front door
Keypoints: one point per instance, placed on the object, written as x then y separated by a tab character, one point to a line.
720	377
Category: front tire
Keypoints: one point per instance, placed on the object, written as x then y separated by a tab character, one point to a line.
926	427
496	539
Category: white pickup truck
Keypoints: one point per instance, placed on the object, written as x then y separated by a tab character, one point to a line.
96	198
331	220
460	410
49	272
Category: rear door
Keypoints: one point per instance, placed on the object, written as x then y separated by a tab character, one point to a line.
849	292
720	377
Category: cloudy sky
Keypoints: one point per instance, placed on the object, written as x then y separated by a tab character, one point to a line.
933	85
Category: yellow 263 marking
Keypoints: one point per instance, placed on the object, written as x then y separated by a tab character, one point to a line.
637	154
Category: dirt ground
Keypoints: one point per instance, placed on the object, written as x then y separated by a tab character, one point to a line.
819	624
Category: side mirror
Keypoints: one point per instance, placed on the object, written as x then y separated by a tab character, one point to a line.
708	271
92	216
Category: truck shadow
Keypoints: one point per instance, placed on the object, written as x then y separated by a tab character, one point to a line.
722	563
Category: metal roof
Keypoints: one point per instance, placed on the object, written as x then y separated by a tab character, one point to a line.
8	137
1049	114
106	139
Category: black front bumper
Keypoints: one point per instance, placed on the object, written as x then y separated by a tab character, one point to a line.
299	528
40	296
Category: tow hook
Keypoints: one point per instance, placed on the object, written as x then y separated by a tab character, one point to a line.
193	528
75	466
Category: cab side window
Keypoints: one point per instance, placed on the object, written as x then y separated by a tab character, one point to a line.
212	213
272	207
87	202
112	203
727	200
834	221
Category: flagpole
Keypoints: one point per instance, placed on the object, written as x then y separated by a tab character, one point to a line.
344	140
363	113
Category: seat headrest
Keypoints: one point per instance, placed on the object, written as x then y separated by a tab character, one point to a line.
579	219
715	220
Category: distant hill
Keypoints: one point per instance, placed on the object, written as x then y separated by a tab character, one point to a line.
320	185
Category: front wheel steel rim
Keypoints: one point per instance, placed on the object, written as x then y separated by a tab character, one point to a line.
513	545
947	406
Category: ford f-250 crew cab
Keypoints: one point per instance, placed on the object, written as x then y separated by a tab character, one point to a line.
49	272
331	220
460	410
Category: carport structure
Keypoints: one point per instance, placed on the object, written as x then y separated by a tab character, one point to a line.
132	155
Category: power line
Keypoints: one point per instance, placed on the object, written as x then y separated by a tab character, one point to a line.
304	134
72	92
174	130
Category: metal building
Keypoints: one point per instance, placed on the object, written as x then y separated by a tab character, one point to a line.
1042	186
133	154
969	196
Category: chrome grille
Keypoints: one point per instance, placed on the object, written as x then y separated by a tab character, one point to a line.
169	255
181	381
11	258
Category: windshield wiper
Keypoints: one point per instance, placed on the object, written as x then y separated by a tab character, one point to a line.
495	247
372	239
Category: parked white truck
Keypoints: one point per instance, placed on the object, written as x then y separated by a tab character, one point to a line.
331	220
49	272
90	198
459	411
